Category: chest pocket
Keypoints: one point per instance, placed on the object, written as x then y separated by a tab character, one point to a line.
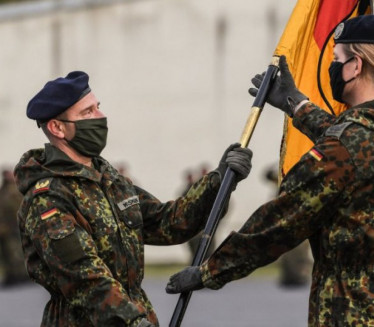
130	211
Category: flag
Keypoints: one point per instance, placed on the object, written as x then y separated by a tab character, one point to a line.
307	42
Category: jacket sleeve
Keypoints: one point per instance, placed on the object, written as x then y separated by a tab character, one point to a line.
75	268
309	193
175	222
312	121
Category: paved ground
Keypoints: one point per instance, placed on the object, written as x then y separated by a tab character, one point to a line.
257	302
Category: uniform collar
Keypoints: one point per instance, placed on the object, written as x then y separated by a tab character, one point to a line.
57	161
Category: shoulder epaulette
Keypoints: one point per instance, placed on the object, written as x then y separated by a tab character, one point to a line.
42	185
337	130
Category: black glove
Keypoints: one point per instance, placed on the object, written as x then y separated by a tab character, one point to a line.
189	279
142	322
238	159
284	94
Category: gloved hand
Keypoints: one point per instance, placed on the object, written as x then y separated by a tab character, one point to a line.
189	279
283	94
142	322
238	159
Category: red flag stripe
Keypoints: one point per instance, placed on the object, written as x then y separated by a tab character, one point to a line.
326	21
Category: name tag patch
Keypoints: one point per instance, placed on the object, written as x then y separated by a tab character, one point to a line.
123	205
337	130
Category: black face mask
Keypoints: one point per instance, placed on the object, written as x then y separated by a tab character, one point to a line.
90	136
337	82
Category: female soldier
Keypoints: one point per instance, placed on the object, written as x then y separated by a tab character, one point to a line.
327	197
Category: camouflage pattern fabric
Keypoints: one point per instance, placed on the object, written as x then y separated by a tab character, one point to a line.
328	198
83	230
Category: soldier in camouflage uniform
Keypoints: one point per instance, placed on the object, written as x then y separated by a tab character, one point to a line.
11	256
327	197
83	225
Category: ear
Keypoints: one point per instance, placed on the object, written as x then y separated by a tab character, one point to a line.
358	68
56	128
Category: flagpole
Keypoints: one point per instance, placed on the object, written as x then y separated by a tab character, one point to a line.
226	187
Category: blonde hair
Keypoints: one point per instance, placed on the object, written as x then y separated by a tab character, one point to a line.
366	53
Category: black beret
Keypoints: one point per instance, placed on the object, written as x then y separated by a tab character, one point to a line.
58	95
356	30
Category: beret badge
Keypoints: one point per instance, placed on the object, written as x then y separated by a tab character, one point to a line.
338	31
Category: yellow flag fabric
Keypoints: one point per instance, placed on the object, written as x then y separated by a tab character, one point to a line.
307	42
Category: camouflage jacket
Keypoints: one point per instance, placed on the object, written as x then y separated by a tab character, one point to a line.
83	231
328	198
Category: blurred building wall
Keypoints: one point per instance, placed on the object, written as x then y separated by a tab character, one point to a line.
172	77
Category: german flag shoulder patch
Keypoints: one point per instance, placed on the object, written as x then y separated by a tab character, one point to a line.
49	213
316	154
42	186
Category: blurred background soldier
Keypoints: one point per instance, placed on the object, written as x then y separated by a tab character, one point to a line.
11	255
